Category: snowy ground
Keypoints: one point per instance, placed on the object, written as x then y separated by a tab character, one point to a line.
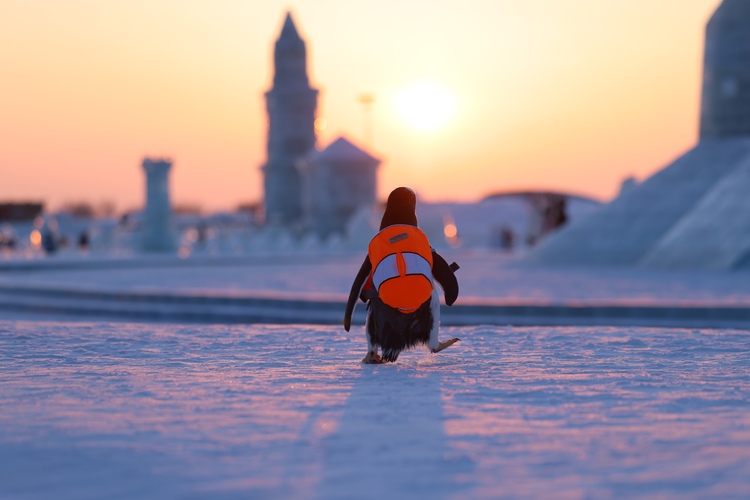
122	410
160	410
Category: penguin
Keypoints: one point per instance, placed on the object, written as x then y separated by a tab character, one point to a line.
397	282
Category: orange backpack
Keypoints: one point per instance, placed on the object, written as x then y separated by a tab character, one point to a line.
401	259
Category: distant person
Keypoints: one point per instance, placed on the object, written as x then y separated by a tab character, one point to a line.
202	236
555	215
83	241
49	242
548	213
396	282
507	239
10	242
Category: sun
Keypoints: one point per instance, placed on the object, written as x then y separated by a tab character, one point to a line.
425	105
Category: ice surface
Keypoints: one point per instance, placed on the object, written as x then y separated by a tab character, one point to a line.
120	410
483	277
313	289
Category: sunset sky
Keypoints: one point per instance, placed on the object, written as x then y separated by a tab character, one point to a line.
572	95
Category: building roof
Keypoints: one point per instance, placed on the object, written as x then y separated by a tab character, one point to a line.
343	150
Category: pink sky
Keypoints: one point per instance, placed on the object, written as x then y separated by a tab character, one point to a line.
554	94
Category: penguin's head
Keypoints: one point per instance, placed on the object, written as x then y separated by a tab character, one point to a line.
401	208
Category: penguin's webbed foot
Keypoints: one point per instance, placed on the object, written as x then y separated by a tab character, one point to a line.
445	345
372	358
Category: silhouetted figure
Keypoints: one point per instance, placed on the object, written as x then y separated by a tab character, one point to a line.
548	213
83	241
49	242
202	233
507	239
555	215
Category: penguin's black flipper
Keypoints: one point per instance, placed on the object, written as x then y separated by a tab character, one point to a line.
359	281
443	273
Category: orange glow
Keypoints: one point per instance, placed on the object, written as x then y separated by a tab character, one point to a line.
35	238
450	231
546	94
320	124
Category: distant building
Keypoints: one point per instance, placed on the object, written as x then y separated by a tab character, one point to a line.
308	189
336	183
695	213
291	105
157	235
548	212
14	212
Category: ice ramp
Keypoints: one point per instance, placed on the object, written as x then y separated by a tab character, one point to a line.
627	230
715	234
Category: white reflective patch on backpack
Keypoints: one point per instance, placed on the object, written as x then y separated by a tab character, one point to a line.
388	268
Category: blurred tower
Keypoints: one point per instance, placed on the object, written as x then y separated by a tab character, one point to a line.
157	233
291	105
695	212
725	110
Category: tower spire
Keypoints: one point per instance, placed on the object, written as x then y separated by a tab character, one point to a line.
289	55
289	30
291	105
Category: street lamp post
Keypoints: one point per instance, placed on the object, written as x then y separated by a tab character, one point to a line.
366	100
